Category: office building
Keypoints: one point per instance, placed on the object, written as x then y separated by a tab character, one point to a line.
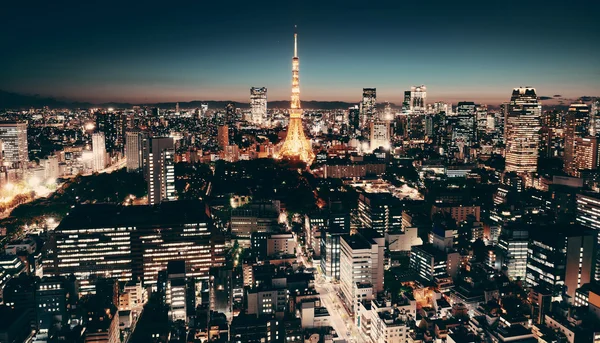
51	168
367	106
99	151
51	297
361	266
522	128
330	253
354	120
221	290
380	134
587	154
255	217
588	215
112	125
431	263
418	99
381	212
266	244
102	322
160	169
258	105
134	151
13	140
176	292
577	125
511	251
560	259
133	242
223	136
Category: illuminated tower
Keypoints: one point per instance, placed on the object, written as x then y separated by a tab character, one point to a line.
258	104
296	145
522	129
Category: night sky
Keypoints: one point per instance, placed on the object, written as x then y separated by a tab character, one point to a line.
181	51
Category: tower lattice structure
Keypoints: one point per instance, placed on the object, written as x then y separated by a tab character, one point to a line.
296	145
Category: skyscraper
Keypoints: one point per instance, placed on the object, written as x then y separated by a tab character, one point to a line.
560	258
522	131
113	126
380	134
13	139
588	212
367	105
223	136
361	267
577	125
354	119
134	147
160	170
418	98
99	151
296	145
258	105
587	154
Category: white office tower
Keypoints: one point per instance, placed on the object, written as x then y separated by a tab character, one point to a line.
361	267
13	136
380	134
98	151
51	169
134	147
258	105
418	99
160	170
522	131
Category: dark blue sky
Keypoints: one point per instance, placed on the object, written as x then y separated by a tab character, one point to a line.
181	51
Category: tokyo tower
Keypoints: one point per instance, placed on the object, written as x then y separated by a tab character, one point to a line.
296	145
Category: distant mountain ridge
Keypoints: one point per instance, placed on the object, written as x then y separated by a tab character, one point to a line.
16	101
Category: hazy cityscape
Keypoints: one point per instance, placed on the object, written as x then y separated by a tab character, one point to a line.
407	217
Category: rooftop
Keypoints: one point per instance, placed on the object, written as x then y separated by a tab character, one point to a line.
109	215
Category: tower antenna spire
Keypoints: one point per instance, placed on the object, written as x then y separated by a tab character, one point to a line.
295	40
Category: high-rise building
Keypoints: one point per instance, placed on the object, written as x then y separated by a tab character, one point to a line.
367	105
381	212
258	105
588	215
481	120
361	266
160	170
418	99
13	140
51	302
522	128
134	151
380	134
223	136
330	253
577	125
561	260
511	251
112	125
587	154
176	292
296	145
354	119
134	242
595	118
99	151
430	263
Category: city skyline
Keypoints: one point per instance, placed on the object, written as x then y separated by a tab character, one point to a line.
158	55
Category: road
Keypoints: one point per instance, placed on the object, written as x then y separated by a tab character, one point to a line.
340	320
